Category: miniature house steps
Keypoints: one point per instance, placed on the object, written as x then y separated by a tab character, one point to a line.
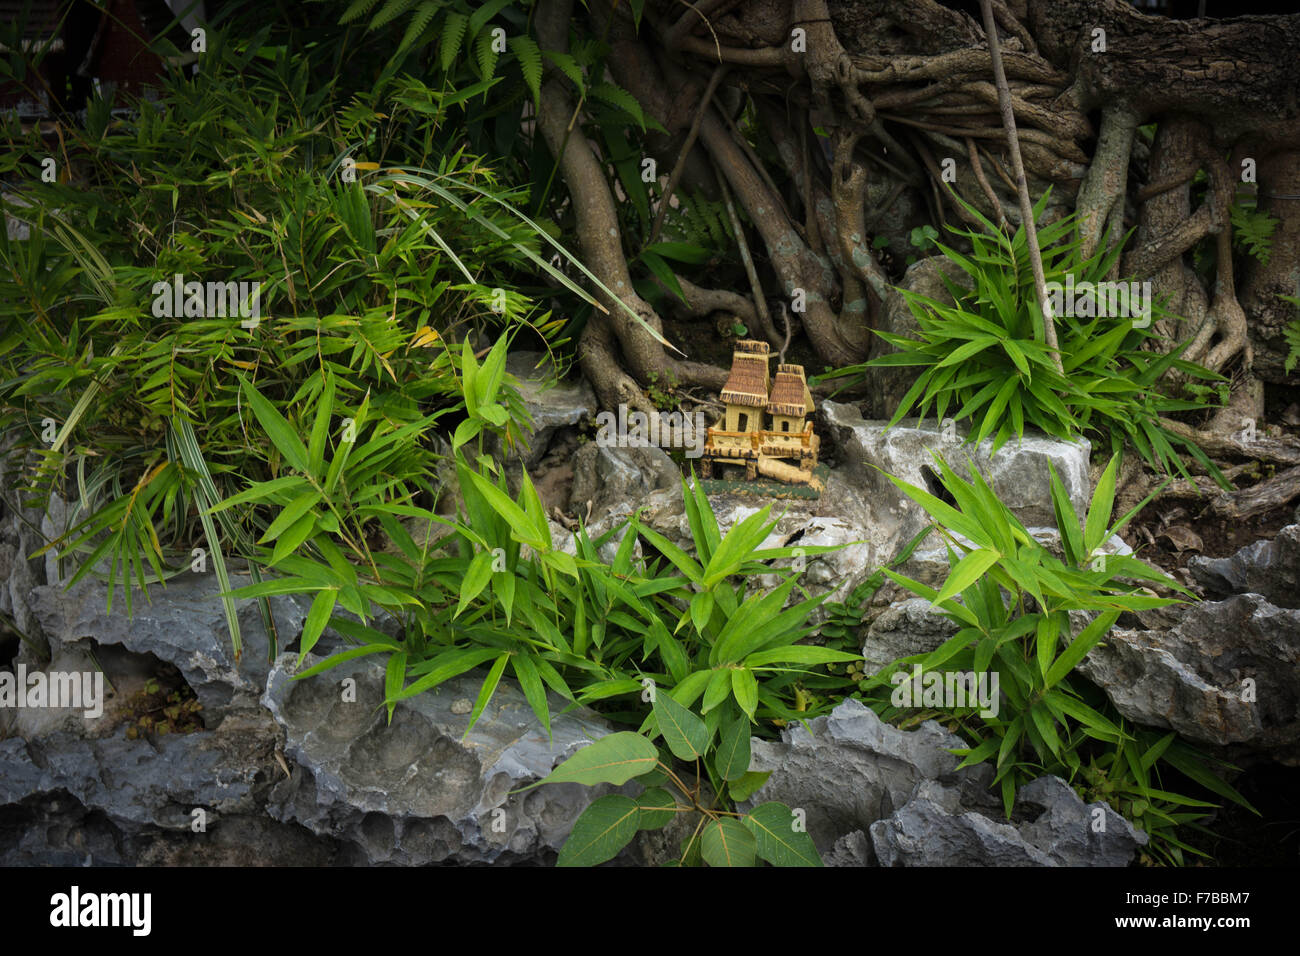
740	437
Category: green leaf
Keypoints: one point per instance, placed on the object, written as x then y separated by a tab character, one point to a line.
748	784
732	758
718	689
530	63
486	691
453	32
657	808
531	684
604	828
282	435
726	842
778	842
966	572
1103	502
620	98
320	429
288	543
1081	645
745	688
701	608
476	578
394	674
322	606
615	758
685	734
799	654
291	513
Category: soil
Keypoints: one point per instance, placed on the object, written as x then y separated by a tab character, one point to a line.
1271	839
1169	535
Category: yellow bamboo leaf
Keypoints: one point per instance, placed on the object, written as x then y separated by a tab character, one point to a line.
424	337
366	166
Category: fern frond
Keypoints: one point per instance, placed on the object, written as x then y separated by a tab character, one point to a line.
355	9
453	32
620	98
530	63
568	66
390	11
419	23
1291	332
485	55
1253	231
480	17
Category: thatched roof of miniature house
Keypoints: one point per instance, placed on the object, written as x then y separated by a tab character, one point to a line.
747	383
790	394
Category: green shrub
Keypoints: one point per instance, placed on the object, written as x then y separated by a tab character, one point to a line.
1021	614
984	359
237	174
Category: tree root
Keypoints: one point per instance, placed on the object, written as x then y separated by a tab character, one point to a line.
1219	446
1260	498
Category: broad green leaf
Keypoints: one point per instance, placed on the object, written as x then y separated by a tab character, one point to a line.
718	689
1081	645
531	684
749	784
726	842
486	691
966	572
799	654
615	758
684	733
701	608
732	757
1103	502
320	429
604	828
779	837
297	533
291	513
657	808
394	674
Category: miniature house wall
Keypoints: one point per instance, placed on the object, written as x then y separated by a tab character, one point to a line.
745	394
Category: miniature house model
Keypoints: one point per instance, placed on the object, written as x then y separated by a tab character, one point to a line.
765	424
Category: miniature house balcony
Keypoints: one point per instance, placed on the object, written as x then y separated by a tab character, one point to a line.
787	444
731	444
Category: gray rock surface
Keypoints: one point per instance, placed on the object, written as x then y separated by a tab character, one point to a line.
183	624
616	480
851	773
1075	834
1228	672
912	627
1268	568
931	830
421	791
550	404
1017	472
